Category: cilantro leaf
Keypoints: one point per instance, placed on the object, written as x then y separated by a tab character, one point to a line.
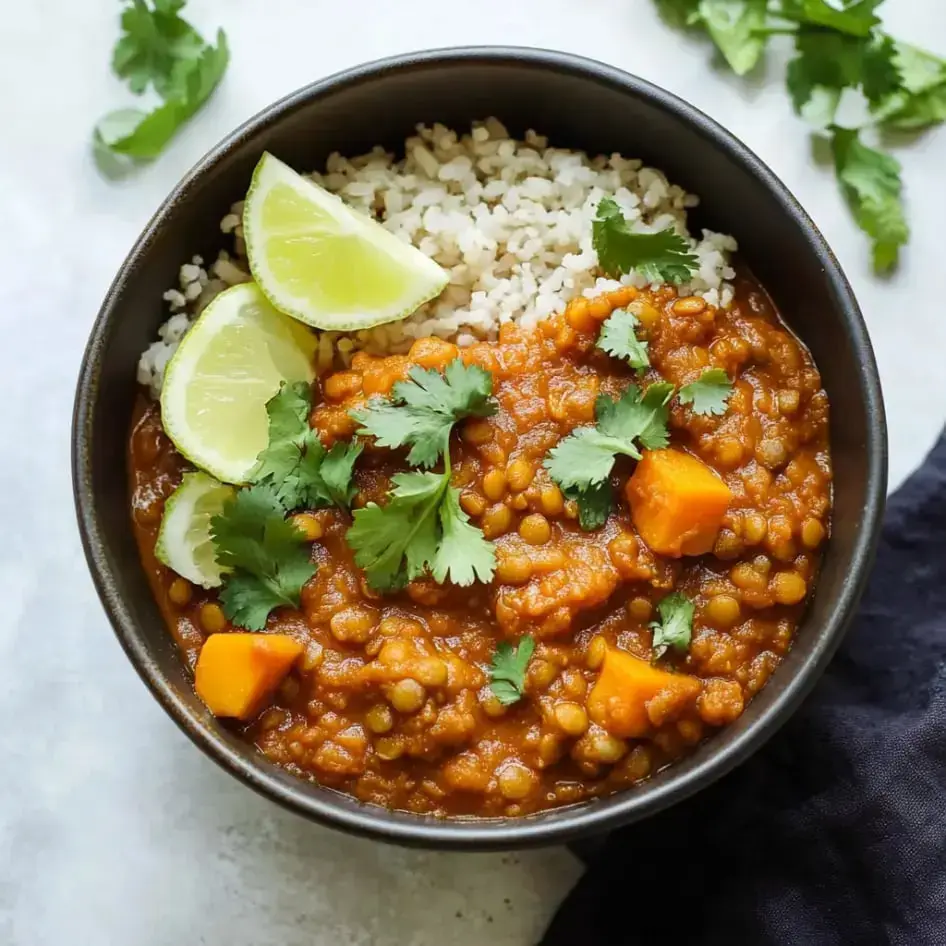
870	181
709	394
619	338
463	554
586	456
265	554
675	627
680	13
921	99
420	527
185	85
423	410
854	17
507	674
154	42
295	464
659	257
735	26
831	62
595	503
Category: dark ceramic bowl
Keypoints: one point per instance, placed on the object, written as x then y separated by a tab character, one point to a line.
580	104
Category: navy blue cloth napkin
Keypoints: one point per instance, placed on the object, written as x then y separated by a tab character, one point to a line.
834	834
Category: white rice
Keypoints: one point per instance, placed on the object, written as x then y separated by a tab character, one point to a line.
509	220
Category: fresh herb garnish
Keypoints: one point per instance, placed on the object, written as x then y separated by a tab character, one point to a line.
840	46
659	257
594	504
421	526
870	181
295	464
508	670
709	394
423	410
619	338
637	420
675	627
266	555
161	49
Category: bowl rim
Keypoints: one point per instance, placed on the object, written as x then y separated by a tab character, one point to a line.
340	811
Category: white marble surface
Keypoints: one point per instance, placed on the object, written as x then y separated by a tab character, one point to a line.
113	828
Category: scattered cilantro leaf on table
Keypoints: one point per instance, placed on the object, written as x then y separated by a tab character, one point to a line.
870	181
636	420
424	408
619	338
265	555
421	526
295	464
161	49
659	257
155	43
675	627
735	26
709	394
840	46
508	670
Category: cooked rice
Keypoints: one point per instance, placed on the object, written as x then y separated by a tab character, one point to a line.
509	220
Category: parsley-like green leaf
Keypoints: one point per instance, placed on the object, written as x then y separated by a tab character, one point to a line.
184	73
586	456
675	627
659	257
735	26
155	41
709	394
265	554
920	102
423	410
680	13
463	553
619	338
295	464
507	675
420	527
829	62
870	181
595	503
854	17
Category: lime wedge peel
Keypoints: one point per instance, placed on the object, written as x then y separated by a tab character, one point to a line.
230	363
184	541
325	264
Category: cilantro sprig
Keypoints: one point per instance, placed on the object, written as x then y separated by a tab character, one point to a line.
709	394
160	49
296	464
675	627
840	46
266	556
636	420
422	527
508	670
619	339
659	257
423	409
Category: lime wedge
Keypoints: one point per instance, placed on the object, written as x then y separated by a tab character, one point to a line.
324	264
231	362
184	542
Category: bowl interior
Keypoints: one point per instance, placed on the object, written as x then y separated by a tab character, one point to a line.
578	104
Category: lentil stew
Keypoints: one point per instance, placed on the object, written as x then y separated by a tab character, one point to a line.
388	697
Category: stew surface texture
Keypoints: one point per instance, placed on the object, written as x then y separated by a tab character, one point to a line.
390	700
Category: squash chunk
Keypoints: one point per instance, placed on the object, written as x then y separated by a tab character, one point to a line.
677	503
619	700
237	673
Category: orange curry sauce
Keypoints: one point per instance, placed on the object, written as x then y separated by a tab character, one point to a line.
390	701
